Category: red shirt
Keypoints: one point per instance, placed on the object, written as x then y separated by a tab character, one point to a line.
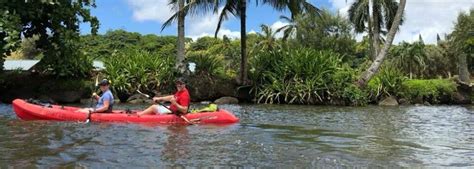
182	98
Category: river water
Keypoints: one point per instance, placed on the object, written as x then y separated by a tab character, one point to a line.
273	136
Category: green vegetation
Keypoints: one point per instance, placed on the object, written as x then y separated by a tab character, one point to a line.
303	76
375	23
130	70
326	31
410	57
387	82
461	44
418	91
207	64
238	8
56	22
102	46
317	61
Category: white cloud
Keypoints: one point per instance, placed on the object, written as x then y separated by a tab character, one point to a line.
222	32
425	17
229	33
196	26
277	25
155	10
205	25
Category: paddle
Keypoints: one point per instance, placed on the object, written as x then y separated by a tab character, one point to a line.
161	104
93	98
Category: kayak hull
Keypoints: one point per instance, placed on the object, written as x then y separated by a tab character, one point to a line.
28	111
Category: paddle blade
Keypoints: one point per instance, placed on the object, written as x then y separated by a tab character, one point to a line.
97	81
148	96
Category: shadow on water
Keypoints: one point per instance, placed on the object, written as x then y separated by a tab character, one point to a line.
267	136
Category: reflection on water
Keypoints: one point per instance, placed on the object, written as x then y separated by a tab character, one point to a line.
177	144
268	136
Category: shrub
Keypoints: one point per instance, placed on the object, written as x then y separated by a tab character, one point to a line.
207	64
427	90
293	75
343	90
137	69
387	82
355	96
62	59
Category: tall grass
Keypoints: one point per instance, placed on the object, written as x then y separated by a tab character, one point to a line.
431	90
207	64
137	69
387	82
296	76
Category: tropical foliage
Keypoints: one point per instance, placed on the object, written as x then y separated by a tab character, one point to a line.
419	91
56	22
238	8
316	61
325	31
303	76
102	46
411	58
387	82
380	54
130	70
462	44
375	17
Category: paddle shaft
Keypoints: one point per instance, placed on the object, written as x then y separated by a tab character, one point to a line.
94	89
93	97
149	97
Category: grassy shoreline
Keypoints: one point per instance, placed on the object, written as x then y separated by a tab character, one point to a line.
412	91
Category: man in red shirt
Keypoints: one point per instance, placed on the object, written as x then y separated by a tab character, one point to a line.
179	101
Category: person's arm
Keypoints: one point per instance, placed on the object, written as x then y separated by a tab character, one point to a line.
103	108
107	98
163	98
181	108
95	96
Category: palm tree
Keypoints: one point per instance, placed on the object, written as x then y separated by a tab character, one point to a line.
238	8
461	42
411	57
374	67
382	16
180	57
268	35
180	15
289	30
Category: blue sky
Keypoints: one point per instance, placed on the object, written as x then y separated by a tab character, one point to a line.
425	17
119	14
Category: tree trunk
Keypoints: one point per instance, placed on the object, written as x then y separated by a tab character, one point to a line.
371	36
180	56
374	67
243	42
464	75
376	31
2	62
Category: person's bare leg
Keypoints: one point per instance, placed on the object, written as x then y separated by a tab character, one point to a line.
149	110
84	110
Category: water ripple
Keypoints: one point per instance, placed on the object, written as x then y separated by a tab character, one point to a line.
268	136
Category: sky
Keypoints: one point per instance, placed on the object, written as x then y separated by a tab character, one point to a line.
425	17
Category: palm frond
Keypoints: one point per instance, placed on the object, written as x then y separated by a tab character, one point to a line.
229	8
287	19
358	15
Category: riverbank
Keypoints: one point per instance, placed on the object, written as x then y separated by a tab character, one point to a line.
27	85
224	91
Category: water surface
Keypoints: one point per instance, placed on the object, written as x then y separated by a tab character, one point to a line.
267	136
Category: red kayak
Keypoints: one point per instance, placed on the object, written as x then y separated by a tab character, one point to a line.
29	111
